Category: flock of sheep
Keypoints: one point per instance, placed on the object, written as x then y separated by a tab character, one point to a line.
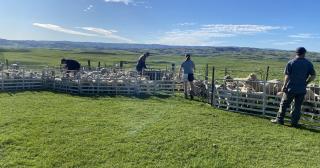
253	91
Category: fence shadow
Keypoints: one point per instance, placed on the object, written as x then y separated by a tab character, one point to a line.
306	127
139	96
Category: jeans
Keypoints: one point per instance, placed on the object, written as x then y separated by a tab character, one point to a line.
286	102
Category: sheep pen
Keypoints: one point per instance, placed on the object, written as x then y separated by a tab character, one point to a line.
248	95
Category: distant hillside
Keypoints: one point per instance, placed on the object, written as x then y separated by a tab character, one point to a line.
238	52
74	45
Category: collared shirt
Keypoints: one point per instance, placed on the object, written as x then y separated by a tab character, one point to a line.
298	70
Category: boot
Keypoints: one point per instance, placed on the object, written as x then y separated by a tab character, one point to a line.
277	121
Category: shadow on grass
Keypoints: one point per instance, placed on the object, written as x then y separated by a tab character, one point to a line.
307	127
139	96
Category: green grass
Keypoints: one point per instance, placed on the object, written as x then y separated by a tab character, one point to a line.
42	129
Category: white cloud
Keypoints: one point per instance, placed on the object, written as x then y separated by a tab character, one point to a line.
286	43
110	34
127	2
305	36
212	34
61	29
88	8
132	2
187	24
240	29
95	32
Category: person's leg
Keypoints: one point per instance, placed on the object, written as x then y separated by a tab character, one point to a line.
285	103
296	114
192	89
185	87
191	79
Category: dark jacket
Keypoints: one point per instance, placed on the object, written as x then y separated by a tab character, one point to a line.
141	64
72	65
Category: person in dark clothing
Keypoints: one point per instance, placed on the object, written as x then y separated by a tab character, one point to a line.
70	65
299	73
141	64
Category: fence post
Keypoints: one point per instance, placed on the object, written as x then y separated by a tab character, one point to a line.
121	64
225	71
7	63
99	65
207	73
238	95
98	85
213	87
264	98
2	81
23	78
89	65
267	74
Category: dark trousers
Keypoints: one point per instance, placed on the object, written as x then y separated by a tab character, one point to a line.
286	102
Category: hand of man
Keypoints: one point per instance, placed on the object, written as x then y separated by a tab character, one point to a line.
284	89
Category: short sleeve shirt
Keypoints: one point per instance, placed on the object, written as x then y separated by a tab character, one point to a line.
298	70
188	67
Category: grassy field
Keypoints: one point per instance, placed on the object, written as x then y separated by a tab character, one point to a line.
42	129
238	61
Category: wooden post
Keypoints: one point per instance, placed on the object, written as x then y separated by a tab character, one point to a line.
98	85
173	69
23	78
2	81
121	64
7	63
238	95
99	65
89	65
207	73
225	71
79	87
267	74
213	87
264	98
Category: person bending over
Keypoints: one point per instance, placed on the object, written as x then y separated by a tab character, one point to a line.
141	64
70	65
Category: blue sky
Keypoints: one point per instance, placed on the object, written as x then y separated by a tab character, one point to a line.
282	24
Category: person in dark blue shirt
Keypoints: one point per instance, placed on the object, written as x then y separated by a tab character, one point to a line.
70	65
299	73
188	68
141	64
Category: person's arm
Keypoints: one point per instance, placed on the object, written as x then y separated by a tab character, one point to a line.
285	84
144	65
180	71
287	72
194	67
311	78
